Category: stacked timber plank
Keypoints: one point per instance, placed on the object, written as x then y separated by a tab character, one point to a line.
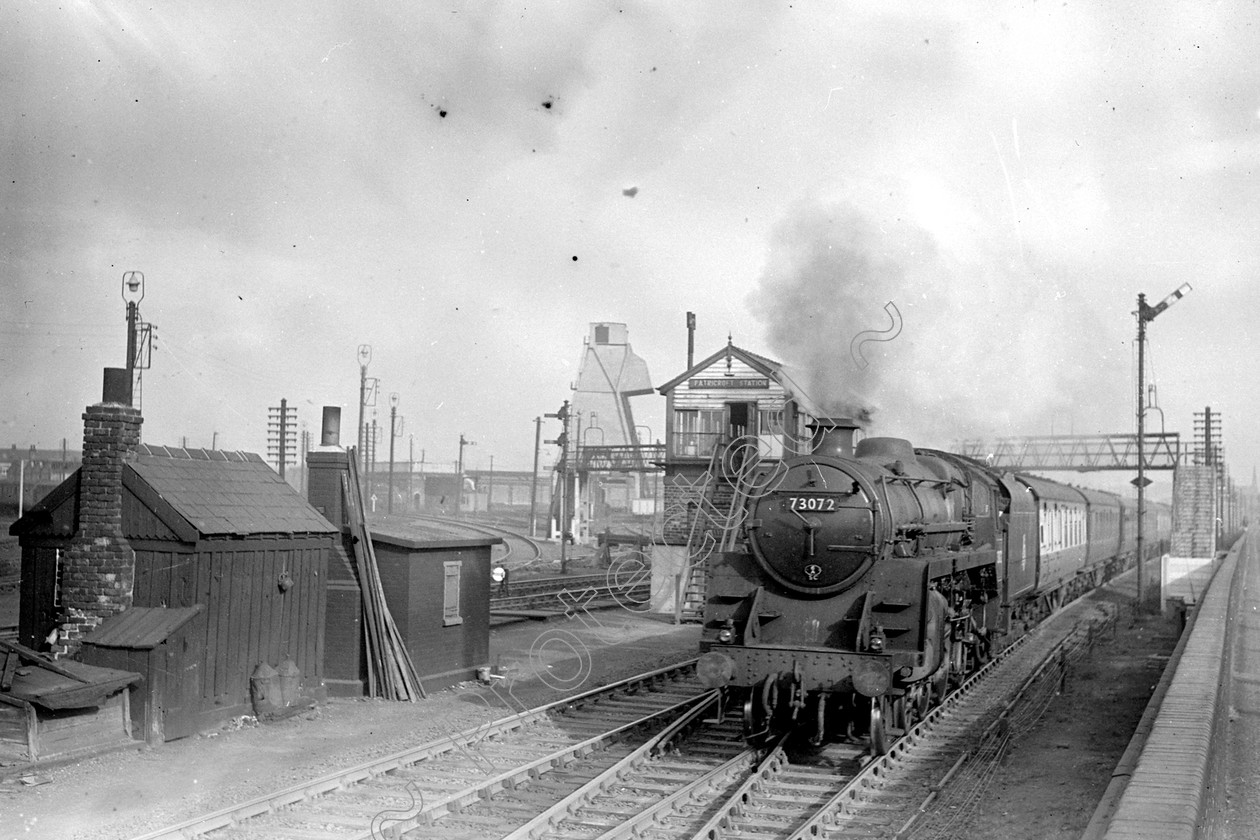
391	673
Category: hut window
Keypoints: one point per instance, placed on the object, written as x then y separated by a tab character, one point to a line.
450	595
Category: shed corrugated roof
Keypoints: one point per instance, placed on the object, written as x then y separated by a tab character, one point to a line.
141	627
226	493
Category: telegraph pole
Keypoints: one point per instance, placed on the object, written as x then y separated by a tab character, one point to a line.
365	356
281	435
393	416
284	437
533	484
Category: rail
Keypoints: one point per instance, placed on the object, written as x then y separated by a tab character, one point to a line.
342	779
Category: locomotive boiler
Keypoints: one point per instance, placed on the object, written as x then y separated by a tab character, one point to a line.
877	576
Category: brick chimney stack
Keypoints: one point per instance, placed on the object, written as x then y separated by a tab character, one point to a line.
99	568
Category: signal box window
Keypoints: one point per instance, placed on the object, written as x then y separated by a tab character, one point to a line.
696	431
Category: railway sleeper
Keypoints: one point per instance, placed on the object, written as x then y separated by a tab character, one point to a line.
627	804
756	819
594	820
796	781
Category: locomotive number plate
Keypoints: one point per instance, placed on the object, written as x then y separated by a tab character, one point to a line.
813	504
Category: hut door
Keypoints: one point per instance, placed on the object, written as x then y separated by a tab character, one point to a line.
181	700
40	596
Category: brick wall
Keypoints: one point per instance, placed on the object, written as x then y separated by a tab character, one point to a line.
99	567
689	495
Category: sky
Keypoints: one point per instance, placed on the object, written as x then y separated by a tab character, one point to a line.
465	187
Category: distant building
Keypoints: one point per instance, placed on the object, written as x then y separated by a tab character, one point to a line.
600	475
31	473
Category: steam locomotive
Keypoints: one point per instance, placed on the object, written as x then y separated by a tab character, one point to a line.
877	577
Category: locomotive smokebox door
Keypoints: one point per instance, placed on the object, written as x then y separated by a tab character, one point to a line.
815	533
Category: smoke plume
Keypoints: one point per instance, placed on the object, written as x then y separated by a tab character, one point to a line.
988	343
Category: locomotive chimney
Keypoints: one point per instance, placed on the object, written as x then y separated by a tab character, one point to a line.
833	436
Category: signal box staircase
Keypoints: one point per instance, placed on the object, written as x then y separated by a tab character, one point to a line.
710	531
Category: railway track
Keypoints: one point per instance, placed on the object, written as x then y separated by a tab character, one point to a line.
518	549
653	757
630	590
791	793
548	747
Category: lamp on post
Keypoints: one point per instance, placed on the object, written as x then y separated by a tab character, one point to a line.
1145	314
132	294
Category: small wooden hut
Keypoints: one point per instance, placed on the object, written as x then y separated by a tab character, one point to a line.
198	563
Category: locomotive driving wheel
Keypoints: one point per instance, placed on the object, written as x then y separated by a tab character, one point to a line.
938	686
759	707
820	701
878	731
796	691
911	708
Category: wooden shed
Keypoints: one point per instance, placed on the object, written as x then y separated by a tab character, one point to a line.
437	588
229	572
